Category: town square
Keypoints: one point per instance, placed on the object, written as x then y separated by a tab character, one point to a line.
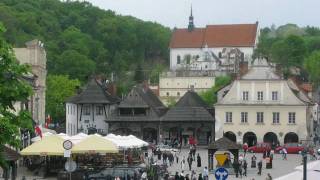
159	90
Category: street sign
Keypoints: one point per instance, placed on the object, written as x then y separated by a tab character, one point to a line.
67	144
70	166
67	153
221	158
221	174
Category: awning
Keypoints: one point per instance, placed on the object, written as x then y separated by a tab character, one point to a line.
94	144
48	146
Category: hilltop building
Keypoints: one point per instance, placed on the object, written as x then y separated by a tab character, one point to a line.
198	55
261	106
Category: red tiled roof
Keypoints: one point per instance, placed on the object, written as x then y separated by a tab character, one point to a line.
233	35
183	38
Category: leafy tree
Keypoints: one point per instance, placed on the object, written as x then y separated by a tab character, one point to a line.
289	52
13	88
210	96
312	64
59	88
75	64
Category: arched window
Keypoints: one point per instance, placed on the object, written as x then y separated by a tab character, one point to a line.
178	59
168	94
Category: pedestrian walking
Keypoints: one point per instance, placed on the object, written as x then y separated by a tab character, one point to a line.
259	167
245	166
245	148
198	160
176	177
190	162
187	177
205	173
268	177
284	154
253	161
200	177
193	175
240	169
177	157
183	164
236	167
182	175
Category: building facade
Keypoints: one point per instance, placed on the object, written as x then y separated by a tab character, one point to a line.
261	106
203	48
34	55
173	85
88	111
142	114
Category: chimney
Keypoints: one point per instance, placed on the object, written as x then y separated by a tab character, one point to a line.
243	68
112	88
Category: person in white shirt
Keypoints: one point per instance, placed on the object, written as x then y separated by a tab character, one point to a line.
205	173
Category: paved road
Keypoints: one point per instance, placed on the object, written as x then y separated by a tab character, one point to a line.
280	167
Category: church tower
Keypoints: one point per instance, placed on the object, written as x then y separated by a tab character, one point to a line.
191	24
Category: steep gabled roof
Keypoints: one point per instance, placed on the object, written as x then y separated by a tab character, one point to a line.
147	100
189	108
94	93
232	35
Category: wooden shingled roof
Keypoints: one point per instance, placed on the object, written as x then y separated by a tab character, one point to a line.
230	35
189	108
224	144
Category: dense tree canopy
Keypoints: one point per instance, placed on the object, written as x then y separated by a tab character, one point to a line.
81	39
13	88
290	46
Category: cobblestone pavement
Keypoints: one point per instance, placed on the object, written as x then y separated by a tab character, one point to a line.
280	167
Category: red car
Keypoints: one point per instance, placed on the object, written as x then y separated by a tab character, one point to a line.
293	148
260	148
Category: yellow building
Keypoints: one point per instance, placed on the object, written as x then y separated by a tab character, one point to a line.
261	106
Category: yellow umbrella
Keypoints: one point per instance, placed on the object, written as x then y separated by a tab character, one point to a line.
48	146
94	144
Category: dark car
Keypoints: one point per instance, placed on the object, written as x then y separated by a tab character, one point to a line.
260	148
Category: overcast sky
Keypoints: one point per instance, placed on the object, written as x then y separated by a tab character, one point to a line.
175	13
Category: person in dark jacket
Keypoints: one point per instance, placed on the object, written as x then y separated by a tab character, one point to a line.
176	177
259	167
236	167
198	161
190	162
253	161
200	177
245	166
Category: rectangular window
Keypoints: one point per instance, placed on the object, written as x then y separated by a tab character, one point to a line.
275	117
274	95
292	117
86	110
228	117
259	117
260	95
99	110
245	95
244	117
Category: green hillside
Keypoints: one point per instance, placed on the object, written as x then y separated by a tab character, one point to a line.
82	39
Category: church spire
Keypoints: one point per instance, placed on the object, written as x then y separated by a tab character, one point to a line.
191	24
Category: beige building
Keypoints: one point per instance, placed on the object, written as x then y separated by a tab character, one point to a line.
175	84
35	55
261	106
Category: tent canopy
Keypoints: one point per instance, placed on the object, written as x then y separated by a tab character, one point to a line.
49	145
94	144
125	142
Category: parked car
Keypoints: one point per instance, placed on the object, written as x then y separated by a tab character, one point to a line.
260	148
293	148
